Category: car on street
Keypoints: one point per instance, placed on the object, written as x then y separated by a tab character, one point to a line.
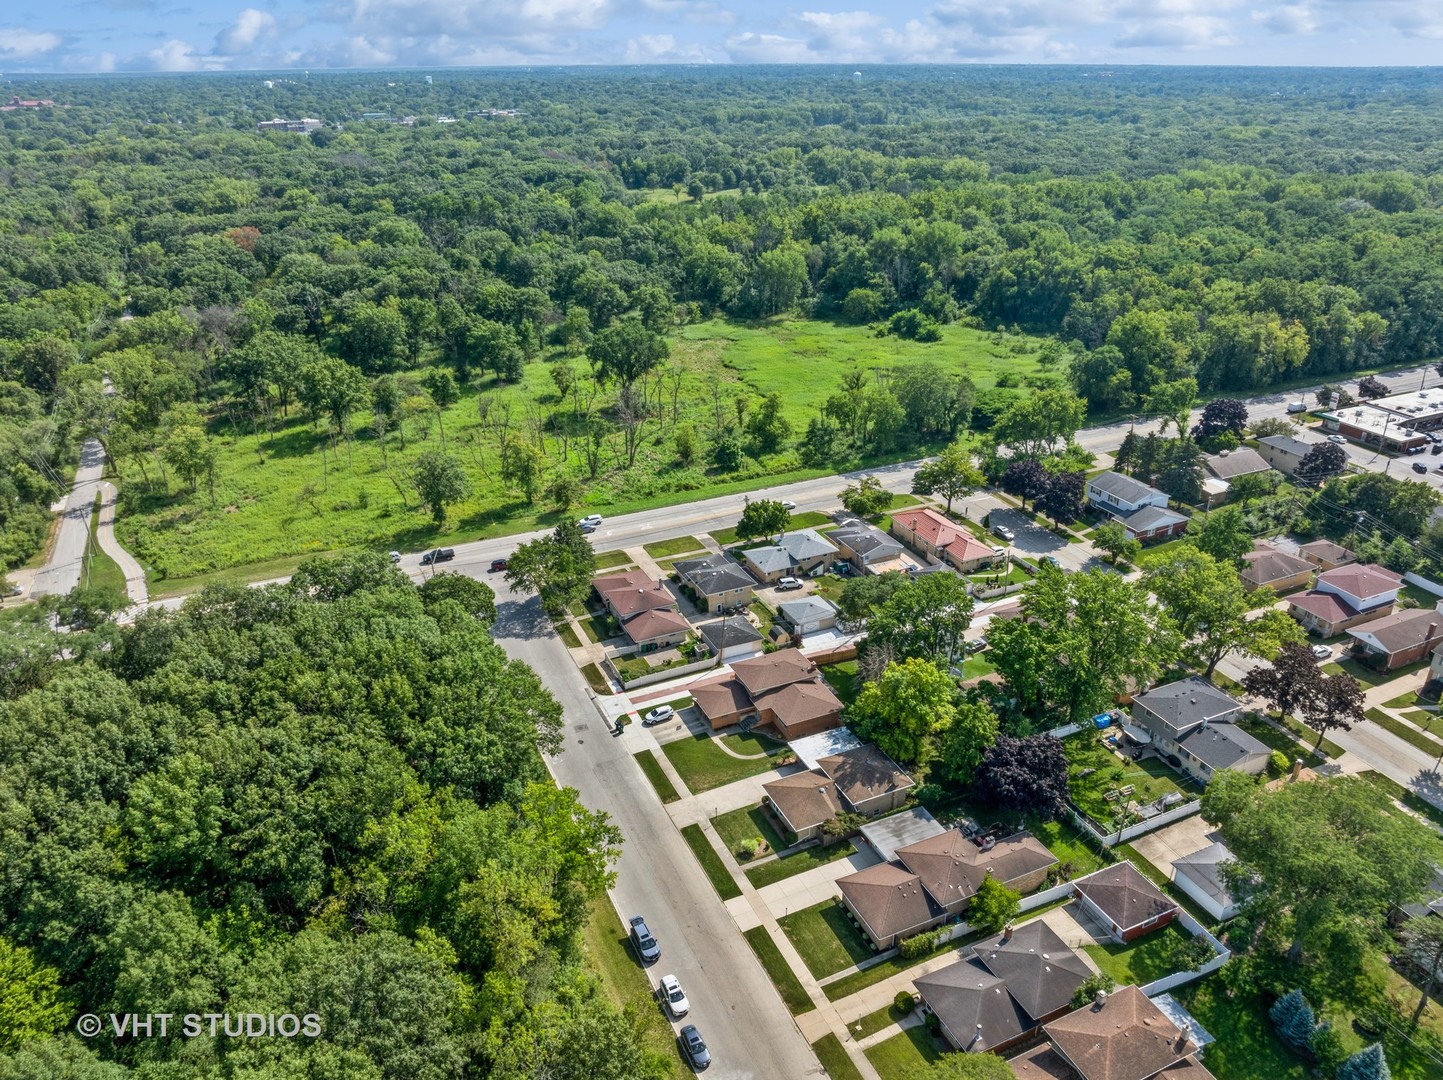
787	504
590	522
1051	560
659	715
694	1047
1297	406
1338	439
499	564
786	584
646	947
395	556
1322	652
16	590
1004	532
435	555
1418	466
674	997
1438	468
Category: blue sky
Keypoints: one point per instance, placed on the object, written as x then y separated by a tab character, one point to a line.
200	35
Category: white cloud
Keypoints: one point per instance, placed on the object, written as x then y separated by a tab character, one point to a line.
251	26
663	49
17	42
753	48
1288	19
1183	32
177	55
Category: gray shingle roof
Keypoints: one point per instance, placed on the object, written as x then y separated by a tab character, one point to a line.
974	1005
806	609
1221	746
714	574
1287	444
1187	701
867	541
1152	517
1122	487
1234	463
728	633
1041	971
1203	868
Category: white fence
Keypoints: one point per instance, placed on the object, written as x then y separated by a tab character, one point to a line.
1065	730
1044	897
1122	836
664	675
1221	956
1423	583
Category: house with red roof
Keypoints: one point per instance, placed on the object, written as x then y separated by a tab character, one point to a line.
1346	596
932	534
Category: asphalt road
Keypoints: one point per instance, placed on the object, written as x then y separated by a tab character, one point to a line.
733	1002
67	558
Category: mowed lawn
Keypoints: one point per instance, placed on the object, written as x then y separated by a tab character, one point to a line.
826	938
703	765
297	490
905	1056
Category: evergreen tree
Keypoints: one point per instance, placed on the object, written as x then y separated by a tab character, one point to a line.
1367	1064
1293	1020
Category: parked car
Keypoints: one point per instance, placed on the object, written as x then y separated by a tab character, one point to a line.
499	564
694	1047
786	584
1418	466
1322	652
674	997
1004	532
1437	449
1338	439
646	947
438	555
658	715
1051	560
395	556
1438	468
1297	406
976	645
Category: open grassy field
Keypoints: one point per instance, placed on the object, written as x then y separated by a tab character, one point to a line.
296	490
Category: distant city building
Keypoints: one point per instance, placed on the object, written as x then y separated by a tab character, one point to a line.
28	103
304	126
493	113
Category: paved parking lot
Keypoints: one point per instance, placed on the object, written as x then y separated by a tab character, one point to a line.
1032	541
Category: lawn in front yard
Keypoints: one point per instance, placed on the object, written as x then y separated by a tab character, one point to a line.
1282	741
704	766
874	1022
905	1056
748	823
843	679
751	743
798	862
826	938
1139	962
807	519
1367	676
1150	777
610	560
793	993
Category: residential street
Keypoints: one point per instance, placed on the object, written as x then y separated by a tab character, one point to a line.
734	1003
62	572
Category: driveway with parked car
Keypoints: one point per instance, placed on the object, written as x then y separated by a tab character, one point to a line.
1034	542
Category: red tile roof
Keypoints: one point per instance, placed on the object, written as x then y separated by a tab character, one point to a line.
1361	579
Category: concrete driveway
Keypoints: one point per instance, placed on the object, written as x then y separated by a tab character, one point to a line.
1033	541
1176	840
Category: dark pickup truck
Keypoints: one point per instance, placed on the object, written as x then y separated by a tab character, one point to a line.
438	555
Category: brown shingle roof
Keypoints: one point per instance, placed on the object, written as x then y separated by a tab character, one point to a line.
1265	567
1127	1037
951	866
888	899
1361	579
863	773
804	799
1401	630
1239	462
1041	971
1041	1063
800	702
778	669
720	697
1124	895
1327	606
650	625
632	579
1326	551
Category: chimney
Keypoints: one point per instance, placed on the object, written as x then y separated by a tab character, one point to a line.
1099	999
1181	1044
976	1037
1429	635
1297	767
1007	932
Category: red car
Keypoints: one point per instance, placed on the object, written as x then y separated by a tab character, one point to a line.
498	564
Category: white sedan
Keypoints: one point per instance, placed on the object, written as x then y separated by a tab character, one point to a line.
675	998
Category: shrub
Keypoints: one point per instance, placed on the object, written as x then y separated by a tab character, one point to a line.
747	849
904	1002
1278	763
1328	1049
919	944
1367	1064
1293	1020
1084	994
934	1025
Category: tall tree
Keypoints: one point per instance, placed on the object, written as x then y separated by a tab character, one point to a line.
763	517
1221	415
1111	537
867	498
1034	425
905	709
1291	683
1222	533
558	567
626	351
1337	705
950	474
1026	776
1062	500
440	480
1027	478
924	617
1423	940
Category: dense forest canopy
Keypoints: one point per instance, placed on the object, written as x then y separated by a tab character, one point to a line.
536	273
322	798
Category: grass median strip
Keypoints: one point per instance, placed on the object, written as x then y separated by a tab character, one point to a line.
794	994
721	878
1407	732
568	635
677	545
834	1059
657	775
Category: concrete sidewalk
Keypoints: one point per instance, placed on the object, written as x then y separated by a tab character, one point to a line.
135	586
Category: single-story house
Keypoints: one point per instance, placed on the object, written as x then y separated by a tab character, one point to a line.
889	903
1230	464
1121	495
1124	901
934	535
656	628
1214	491
732	638
1196	721
1154	523
1121	1036
808	614
1346	596
1267	567
1200	876
812	748
782	689
633	592
866	547
1326	555
887	835
869	781
973	1008
1399	639
795	555
948	867
716	581
1283	452
804	802
1042	972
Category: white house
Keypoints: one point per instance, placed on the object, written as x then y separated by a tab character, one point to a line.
1121	495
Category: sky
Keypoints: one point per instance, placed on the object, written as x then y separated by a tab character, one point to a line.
218	35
